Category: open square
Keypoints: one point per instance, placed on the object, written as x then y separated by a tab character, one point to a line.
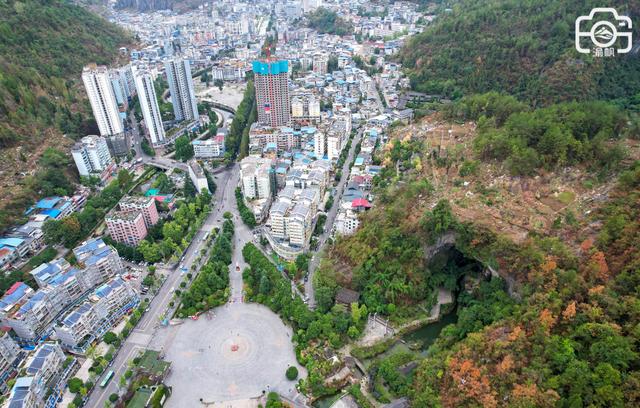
241	352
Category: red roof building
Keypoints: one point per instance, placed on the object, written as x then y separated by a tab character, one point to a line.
360	204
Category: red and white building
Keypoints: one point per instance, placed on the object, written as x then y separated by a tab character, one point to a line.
131	223
126	227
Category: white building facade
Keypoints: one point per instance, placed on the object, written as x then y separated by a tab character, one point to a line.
149	105
91	155
183	96
103	101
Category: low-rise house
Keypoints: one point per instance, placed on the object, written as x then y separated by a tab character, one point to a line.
9	358
44	381
91	319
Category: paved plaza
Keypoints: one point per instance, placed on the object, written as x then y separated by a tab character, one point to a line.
239	352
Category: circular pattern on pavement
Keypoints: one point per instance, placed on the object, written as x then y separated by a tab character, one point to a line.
244	350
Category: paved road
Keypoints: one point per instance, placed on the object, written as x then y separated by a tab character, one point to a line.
148	325
136	138
331	217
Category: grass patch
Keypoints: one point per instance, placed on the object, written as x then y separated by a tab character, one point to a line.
566	197
45	256
151	362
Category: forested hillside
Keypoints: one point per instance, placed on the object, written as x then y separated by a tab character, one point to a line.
326	21
521	47
568	334
527	212
43	47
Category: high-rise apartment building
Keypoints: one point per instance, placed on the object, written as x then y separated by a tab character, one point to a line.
122	84
146	205
183	95
126	227
319	145
91	155
149	104
97	82
328	145
272	92
256	174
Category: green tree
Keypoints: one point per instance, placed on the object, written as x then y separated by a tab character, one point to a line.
75	384
440	220
292	373
183	148
124	179
110	337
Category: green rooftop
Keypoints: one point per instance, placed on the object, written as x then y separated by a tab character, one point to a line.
140	398
151	362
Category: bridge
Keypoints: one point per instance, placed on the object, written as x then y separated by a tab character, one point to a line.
167	164
218	105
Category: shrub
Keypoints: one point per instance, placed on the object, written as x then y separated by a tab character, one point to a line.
292	373
74	384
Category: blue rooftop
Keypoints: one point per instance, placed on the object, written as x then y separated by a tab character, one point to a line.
97	255
51	212
11	242
73	317
104	290
48	202
88	247
39	358
17	291
47	271
273	68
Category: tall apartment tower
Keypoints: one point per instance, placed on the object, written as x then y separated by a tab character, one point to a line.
149	104
183	95
103	101
272	92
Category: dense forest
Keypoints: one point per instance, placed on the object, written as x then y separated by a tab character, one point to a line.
573	339
559	135
326	21
524	48
43	47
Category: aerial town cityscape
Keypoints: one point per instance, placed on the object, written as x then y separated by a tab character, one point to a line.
319	203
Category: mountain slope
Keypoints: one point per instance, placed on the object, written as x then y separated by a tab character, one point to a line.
563	245
524	48
43	47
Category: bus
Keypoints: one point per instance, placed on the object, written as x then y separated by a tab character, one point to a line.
106	379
